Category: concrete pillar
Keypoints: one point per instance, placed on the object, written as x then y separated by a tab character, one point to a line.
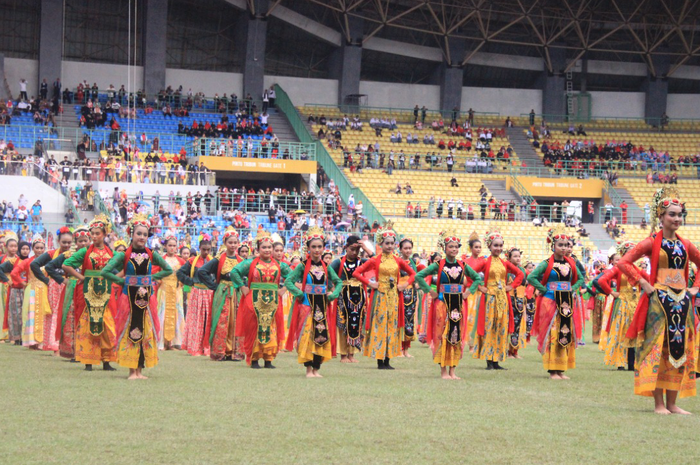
3	90
252	34
452	77
50	44
656	90
347	63
154	43
553	85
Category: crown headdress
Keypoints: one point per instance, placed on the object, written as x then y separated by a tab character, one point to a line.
101	221
118	243
263	236
492	236
314	233
624	247
662	200
38	238
11	236
384	232
510	251
557	233
81	231
139	219
230	231
446	237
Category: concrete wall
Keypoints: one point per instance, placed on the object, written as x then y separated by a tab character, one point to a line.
507	102
74	72
12	186
209	82
385	94
306	90
620	104
683	106
18	68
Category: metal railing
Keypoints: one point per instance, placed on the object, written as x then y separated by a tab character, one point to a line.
425	161
402	114
345	188
257	149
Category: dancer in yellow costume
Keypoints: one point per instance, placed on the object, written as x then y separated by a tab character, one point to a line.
35	305
171	313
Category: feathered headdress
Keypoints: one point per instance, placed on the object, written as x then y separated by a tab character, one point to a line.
446	237
662	200
492	236
384	232
139	219
101	221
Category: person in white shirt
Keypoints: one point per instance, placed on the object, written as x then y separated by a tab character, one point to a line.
23	89
263	118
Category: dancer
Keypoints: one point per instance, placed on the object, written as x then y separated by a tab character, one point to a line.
55	289
185	253
66	324
93	310
555	326
663	330
626	300
261	320
35	304
215	274
312	325
385	316
607	306
16	253
446	319
171	313
352	303
136	319
598	301
473	299
578	299
410	298
198	317
495	316
529	301
518	338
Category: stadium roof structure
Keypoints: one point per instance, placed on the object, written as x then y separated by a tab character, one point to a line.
621	30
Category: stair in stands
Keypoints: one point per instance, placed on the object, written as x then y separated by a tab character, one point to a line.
497	188
634	210
523	147
281	127
599	237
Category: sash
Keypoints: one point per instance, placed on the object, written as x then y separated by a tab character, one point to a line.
315	289
265	305
97	292
451	289
134	280
560	286
351	306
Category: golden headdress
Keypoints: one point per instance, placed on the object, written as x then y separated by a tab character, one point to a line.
492	236
11	236
37	238
263	236
446	237
81	231
510	251
314	233
277	239
624	247
663	198
139	219
103	222
556	233
118	243
228	232
384	232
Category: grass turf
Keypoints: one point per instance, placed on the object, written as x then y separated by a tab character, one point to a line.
193	410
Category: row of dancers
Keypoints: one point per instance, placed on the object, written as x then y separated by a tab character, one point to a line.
96	304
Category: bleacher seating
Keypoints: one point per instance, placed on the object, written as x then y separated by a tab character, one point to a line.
642	193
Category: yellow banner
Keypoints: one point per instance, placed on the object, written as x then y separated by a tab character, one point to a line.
260	165
566	188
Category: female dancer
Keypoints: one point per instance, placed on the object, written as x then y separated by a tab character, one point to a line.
663	329
473	299
410	298
96	333
555	327
518	338
261	321
626	300
607	306
16	253
185	253
64	237
66	325
495	316
36	297
426	302
386	313
312	325
529	301
446	321
351	306
137	322
578	299
224	344
198	318
171	313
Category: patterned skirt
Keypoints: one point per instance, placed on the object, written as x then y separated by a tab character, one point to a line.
171	314
224	312
14	314
493	345
129	353
198	322
445	353
383	338
3	301
616	349
34	307
555	357
68	323
306	346
51	321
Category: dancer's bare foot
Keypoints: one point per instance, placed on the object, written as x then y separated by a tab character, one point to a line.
310	372
518	357
407	355
661	410
317	374
345	359
555	376
563	376
133	375
511	356
455	376
677	410
444	374
353	359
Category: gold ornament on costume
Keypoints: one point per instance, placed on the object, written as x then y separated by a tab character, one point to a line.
311	234
624	247
103	222
492	236
139	219
663	199
120	242
263	236
447	237
38	238
384	232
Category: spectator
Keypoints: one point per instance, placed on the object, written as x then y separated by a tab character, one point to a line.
36	212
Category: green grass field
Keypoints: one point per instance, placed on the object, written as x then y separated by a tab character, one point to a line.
193	410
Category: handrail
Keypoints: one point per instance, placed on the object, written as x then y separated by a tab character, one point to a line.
402	112
259	149
521	190
345	188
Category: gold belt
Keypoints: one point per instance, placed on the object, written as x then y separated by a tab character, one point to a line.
671	277
352	282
